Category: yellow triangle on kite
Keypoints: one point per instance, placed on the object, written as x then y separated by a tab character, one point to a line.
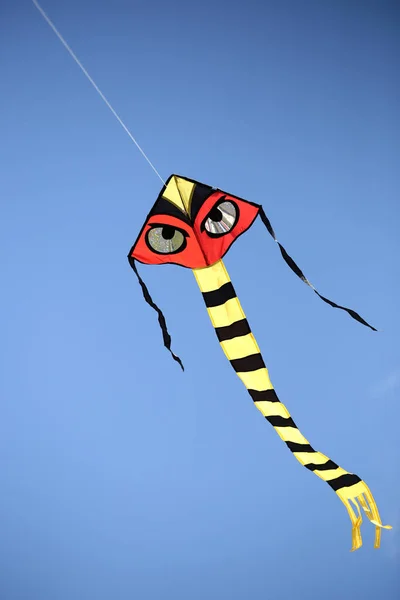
179	192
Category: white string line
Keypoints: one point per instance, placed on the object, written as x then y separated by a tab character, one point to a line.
102	96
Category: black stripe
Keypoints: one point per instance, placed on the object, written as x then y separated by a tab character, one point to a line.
248	363
220	296
264	395
295	447
164	207
329	464
267	222
229	332
344	481
200	194
290	262
351	312
161	318
296	269
278	421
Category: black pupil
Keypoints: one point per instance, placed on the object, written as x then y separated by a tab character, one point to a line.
168	232
215	214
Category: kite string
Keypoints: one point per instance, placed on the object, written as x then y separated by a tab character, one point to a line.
98	90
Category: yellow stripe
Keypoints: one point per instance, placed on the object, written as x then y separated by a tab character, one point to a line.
211	278
272	409
240	347
257	380
331	474
226	314
291	434
308	458
352	491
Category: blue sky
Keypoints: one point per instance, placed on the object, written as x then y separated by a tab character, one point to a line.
122	477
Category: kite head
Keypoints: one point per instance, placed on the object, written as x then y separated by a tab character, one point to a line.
192	225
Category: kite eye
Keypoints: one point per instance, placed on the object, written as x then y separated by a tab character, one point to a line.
221	219
165	239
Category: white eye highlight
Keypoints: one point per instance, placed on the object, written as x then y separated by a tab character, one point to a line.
221	219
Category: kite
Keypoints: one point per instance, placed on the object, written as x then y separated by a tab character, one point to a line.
193	225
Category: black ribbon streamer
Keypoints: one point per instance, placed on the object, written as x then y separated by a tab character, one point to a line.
290	262
161	318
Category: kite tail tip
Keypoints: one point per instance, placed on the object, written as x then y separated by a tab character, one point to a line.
368	504
177	359
356	535
378	530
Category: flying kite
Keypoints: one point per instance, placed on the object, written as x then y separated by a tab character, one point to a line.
194	225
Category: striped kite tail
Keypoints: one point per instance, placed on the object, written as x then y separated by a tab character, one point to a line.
242	351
